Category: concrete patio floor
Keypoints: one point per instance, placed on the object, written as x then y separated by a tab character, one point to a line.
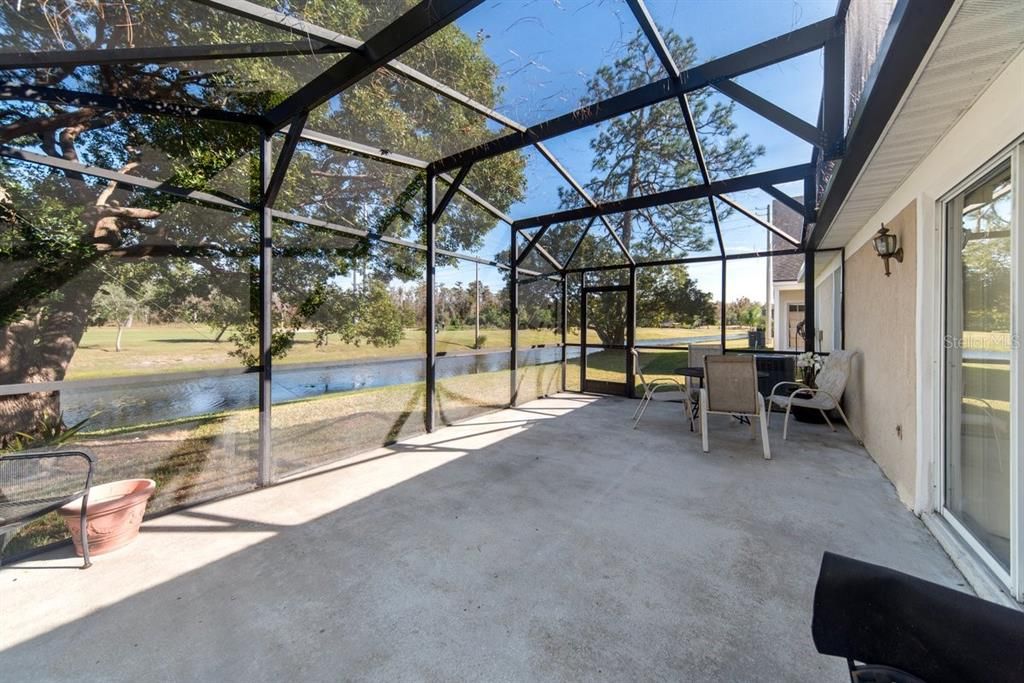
548	542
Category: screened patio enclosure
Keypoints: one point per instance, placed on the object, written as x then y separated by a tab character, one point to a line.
350	223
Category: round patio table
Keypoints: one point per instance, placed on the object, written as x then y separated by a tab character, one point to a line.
698	373
691	372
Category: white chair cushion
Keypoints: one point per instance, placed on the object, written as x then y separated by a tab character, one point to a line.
819	401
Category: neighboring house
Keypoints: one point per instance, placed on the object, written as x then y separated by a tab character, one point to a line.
786	308
936	154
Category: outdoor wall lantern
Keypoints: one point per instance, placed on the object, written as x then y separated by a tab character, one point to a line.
886	247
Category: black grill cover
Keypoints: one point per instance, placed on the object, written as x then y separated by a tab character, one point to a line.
879	616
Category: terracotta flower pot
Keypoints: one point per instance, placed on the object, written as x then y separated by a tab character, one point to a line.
113	514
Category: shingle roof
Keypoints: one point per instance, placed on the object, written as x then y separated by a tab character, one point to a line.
787	267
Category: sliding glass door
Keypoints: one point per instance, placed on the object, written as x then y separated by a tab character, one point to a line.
981	464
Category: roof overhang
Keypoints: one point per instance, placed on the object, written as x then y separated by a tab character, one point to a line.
789	285
933	66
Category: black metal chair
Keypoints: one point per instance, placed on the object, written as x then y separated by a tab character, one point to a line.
33	484
903	629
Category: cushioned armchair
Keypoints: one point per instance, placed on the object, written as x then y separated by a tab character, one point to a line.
831	383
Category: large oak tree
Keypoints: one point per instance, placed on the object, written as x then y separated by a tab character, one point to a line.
64	235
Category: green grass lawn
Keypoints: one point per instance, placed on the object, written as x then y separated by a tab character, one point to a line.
658	333
148	349
180	348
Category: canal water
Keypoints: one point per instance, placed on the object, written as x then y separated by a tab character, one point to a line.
140	400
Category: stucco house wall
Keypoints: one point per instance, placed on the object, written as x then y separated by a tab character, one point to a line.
987	127
881	326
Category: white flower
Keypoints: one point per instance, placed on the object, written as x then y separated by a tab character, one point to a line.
809	359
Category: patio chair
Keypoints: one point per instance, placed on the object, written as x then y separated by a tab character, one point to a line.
659	389
33	484
831	383
695	359
902	629
730	388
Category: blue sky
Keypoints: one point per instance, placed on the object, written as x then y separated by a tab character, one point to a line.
547	49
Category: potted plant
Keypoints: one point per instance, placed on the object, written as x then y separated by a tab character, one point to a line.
112	516
808	365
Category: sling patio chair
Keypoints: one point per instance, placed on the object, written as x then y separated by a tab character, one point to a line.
695	354
35	483
730	388
830	385
659	389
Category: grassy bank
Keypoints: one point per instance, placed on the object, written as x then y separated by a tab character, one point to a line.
209	456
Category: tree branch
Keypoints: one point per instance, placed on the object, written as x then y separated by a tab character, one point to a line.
111	187
47	124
